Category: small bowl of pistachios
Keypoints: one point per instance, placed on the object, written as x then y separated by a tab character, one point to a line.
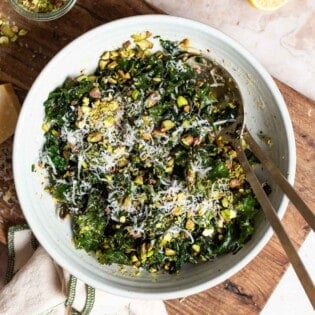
42	10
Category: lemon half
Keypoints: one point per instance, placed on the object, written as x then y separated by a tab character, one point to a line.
268	5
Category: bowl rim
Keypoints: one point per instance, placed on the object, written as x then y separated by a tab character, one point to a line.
78	271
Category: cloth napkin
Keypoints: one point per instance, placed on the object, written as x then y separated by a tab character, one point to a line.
35	284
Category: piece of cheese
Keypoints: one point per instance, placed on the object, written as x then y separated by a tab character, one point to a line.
9	111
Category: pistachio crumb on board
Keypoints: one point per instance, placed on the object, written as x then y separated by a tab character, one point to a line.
9	31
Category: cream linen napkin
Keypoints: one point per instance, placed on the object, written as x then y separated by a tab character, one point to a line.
37	285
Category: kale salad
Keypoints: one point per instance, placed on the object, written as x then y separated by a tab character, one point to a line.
134	156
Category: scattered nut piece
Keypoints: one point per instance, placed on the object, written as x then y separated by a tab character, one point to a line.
235	183
95	93
94	137
9	32
187	140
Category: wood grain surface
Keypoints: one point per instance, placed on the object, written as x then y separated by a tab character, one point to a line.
248	291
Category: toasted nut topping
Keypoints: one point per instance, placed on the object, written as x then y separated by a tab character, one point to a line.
181	101
196	248
167	125
144	44
94	137
187	140
184	43
186	108
235	183
170	252
95	93
190	225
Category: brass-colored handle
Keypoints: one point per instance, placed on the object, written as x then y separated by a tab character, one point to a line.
274	221
280	179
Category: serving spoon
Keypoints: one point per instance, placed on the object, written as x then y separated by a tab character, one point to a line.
234	133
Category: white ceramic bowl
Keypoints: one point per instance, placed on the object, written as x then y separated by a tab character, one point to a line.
265	111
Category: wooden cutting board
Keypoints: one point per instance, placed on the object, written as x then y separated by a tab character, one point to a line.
248	291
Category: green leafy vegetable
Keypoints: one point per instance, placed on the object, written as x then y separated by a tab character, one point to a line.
134	155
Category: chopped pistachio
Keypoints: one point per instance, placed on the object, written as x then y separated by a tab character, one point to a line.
122	162
186	123
85	101
81	77
84	165
184	43
139	180
14	38
112	106
186	108
22	32
190	225
145	44
146	136
231	105
45	127
228	214
170	252
187	140
135	94
193	51
9	32
196	248
167	125
114	54
94	137
167	237
112	81
4	40
235	183
225	202
112	65
103	63
181	101
141	36
177	211
126	203
95	93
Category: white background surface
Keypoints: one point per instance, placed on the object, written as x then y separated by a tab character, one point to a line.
289	297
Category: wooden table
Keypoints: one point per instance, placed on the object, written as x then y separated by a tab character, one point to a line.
248	291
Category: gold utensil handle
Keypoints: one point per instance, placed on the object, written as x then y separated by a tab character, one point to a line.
274	221
280	179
